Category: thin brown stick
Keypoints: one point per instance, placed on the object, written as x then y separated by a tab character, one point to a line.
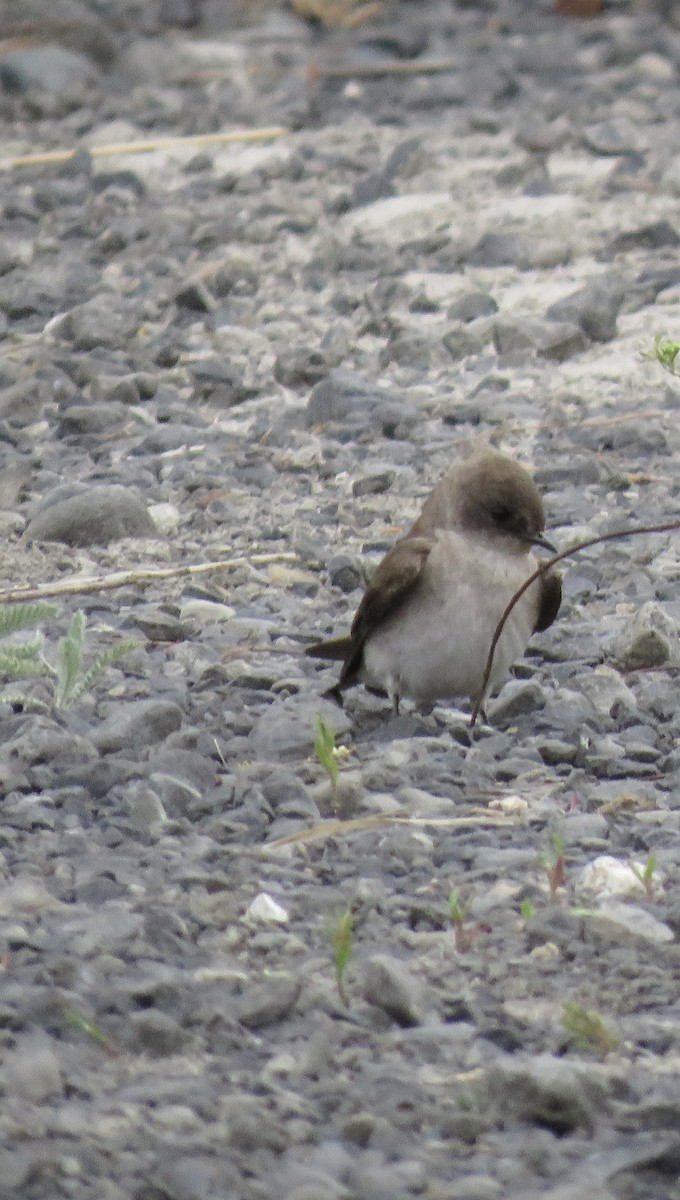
106	583
329	829
667	527
162	143
425	66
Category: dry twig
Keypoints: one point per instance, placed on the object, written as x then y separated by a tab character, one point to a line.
162	143
106	583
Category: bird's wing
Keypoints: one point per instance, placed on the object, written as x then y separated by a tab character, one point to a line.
549	600
394	580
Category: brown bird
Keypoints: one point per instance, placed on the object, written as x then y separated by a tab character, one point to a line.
425	623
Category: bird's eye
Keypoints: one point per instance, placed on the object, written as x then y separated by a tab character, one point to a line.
501	514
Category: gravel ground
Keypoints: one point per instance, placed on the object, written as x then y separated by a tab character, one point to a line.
213	351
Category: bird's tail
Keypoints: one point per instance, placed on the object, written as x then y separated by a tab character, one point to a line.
335	649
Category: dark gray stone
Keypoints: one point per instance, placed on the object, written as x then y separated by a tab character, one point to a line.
472	305
594	308
137	723
46	68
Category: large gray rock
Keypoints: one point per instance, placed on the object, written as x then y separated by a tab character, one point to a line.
94	517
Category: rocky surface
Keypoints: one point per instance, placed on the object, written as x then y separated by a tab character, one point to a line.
216	351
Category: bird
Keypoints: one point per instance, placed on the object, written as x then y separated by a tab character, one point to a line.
425	624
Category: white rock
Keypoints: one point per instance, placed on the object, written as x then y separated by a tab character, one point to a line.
608	876
207	611
399	216
166	517
266	910
624	923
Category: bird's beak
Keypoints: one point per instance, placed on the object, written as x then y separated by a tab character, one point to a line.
544	543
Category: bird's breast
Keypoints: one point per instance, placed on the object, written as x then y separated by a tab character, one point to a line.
435	646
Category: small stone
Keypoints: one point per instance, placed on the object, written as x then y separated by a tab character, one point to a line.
615	136
398	217
518	697
158	1033
594	308
607	876
389	985
499	250
268	1003
265	910
166	517
546	1091
196	297
472	305
553	751
137	723
543	136
340	394
649	639
607	692
627	924
557	340
33	1070
655	236
463	340
46	68
345	573
376	484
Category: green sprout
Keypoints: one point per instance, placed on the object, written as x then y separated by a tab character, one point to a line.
645	875
665	352
554	865
77	1021
588	1030
327	754
342	945
458	913
527	910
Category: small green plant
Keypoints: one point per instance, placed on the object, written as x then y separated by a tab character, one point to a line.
72	679
327	753
342	945
588	1030
23	659
554	865
665	352
77	1021
645	876
527	910
459	911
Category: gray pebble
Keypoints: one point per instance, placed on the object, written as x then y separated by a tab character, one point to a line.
46	68
137	723
389	985
594	308
649	639
519	696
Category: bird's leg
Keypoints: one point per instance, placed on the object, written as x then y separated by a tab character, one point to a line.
394	693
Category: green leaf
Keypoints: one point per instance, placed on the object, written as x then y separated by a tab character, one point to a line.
70	657
665	352
325	749
89	678
588	1029
342	945
15	617
24	658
